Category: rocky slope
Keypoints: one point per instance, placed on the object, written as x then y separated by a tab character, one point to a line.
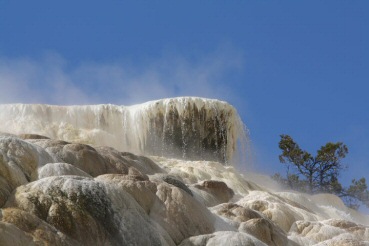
61	192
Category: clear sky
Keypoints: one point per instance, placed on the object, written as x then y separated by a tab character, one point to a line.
289	67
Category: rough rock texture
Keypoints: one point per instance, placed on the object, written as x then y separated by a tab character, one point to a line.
81	156
54	192
69	203
173	209
172	180
32	136
265	231
99	160
236	213
139	187
125	162
18	160
58	169
281	211
34	229
182	215
5	191
218	192
252	222
330	232
193	172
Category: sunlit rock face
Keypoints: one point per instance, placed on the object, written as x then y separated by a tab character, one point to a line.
57	190
18	160
250	221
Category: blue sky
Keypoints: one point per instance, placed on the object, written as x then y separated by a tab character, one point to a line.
293	67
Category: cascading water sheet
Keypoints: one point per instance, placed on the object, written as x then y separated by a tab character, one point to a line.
185	127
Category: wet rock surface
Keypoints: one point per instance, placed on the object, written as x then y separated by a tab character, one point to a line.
173	181
218	190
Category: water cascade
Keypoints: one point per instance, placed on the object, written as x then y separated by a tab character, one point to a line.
187	127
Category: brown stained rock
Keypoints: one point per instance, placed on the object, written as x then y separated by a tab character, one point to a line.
344	224
32	136
118	162
282	217
259	205
98	160
12	235
88	211
277	210
18	160
252	222
180	214
68	211
85	158
170	179
330	232
40	231
360	231
142	163
5	191
58	169
264	230
235	212
48	144
218	189
82	156
139	187
176	211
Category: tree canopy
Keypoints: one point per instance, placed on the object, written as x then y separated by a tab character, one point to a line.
320	173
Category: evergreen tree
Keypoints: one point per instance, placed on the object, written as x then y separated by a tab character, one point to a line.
313	174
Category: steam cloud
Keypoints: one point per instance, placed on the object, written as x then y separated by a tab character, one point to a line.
53	80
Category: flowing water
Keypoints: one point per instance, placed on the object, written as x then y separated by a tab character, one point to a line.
186	128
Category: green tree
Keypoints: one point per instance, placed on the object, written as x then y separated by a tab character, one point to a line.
356	193
313	174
